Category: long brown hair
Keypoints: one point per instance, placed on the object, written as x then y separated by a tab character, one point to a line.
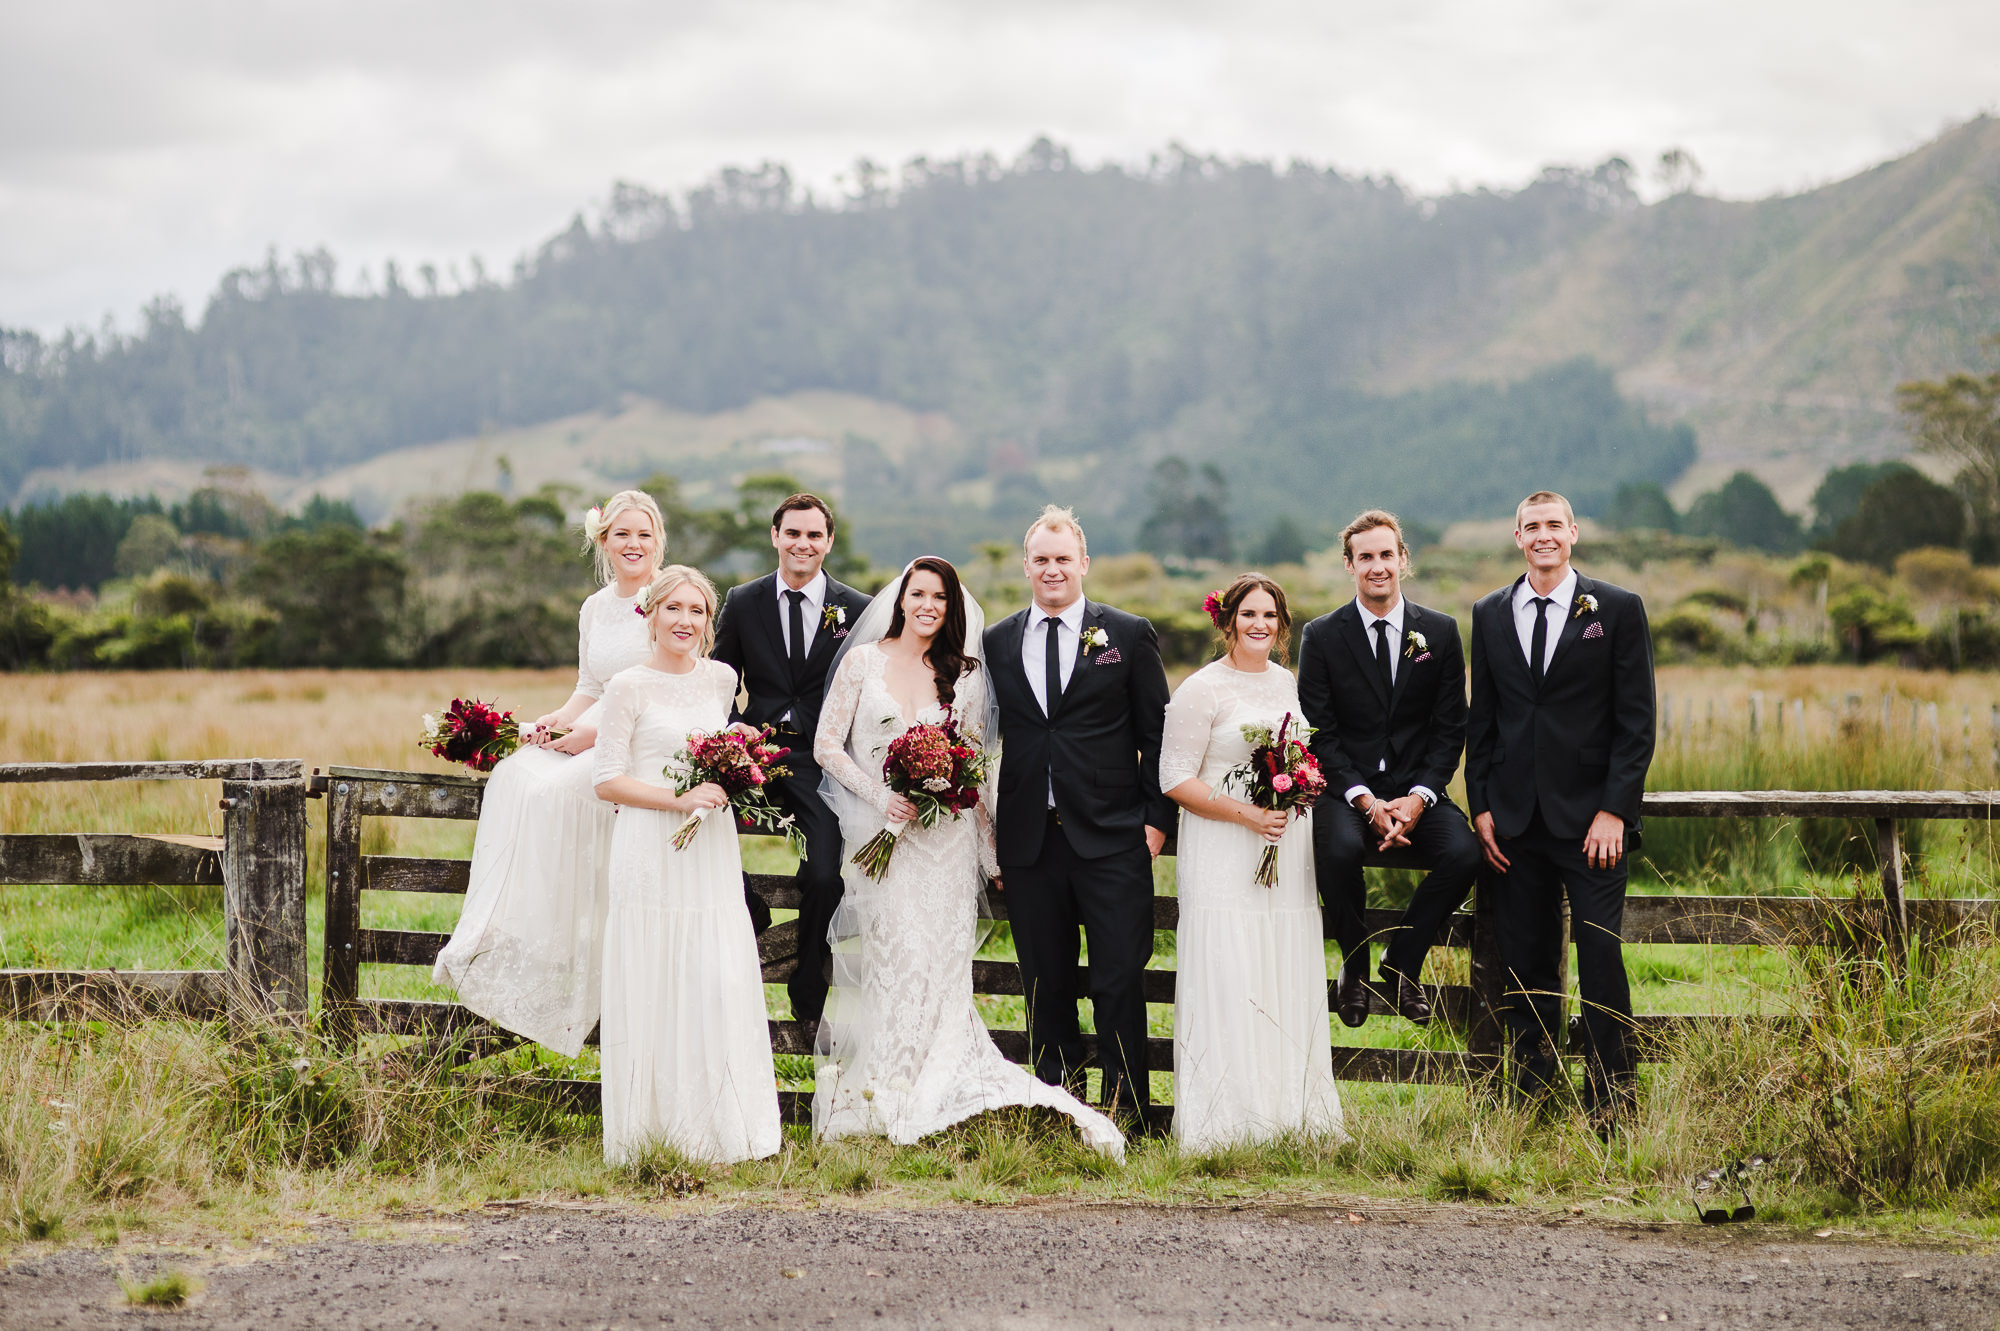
947	656
1232	601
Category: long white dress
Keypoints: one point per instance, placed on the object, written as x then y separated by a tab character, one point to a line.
527	951
1252	1052
686	1046
903	1050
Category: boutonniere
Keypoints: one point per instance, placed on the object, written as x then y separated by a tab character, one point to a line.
833	617
1416	647
1586	604
1093	638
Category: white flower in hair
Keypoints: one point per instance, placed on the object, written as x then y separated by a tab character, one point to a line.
593	523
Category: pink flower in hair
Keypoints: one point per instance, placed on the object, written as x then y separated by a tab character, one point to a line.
1213	605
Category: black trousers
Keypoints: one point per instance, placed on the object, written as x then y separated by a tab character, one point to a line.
818	879
1112	899
1442	840
1527	916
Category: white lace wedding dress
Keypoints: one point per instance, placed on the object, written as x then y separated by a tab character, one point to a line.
1253	1055
903	1050
686	1045
526	953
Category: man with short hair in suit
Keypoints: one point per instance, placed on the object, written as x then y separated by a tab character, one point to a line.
779	633
1561	737
1083	701
1382	683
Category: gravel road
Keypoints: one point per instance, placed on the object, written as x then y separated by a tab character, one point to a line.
1025	1267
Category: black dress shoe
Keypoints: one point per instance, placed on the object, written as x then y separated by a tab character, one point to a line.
1351	1000
1410	1000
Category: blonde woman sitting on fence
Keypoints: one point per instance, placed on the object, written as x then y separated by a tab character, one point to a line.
686	1051
526	954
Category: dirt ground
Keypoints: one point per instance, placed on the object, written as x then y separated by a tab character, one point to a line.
1025	1267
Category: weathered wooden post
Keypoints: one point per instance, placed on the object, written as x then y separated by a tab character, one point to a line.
1889	850
1484	1037
264	897
340	978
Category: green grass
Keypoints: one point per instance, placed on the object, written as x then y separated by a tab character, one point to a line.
169	1289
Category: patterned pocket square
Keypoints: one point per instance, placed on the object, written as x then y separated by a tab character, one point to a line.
1425	657
1594	629
840	633
1109	656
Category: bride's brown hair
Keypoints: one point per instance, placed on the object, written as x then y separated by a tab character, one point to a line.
947	656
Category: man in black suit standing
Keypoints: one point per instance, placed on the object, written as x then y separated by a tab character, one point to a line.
779	633
1083	699
1382	682
1561	737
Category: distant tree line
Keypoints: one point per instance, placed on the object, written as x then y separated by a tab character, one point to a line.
223	579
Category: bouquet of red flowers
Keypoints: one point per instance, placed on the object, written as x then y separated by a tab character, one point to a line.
1281	774
742	764
472	732
937	769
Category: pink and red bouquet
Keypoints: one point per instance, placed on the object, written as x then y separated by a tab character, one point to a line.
744	765
1281	774
936	768
472	732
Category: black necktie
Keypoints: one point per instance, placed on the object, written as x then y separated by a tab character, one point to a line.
1052	665
798	627
1382	656
1538	645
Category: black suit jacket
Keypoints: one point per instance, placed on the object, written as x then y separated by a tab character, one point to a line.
1580	742
1419	726
749	640
1101	748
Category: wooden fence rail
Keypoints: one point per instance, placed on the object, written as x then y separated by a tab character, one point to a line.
259	861
357	793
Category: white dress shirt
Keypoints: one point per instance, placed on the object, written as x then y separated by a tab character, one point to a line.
811	609
1394	619
1035	658
1557	615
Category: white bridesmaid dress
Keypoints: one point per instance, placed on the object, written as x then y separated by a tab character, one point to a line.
1253	1056
527	951
686	1046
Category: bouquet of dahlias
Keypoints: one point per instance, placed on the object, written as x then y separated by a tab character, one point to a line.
742	765
471	732
937	769
1281	774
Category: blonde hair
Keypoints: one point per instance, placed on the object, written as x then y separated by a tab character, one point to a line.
1056	517
668	578
1369	520
1544	497
597	525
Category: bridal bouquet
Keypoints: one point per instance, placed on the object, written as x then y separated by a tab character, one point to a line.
937	769
742	765
471	732
1281	774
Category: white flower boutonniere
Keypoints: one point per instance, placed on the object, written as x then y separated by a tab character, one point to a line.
1093	638
833	617
1586	604
1414	642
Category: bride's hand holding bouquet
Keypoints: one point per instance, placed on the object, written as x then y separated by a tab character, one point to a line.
932	771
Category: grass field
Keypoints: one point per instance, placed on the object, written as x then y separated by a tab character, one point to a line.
1415	1142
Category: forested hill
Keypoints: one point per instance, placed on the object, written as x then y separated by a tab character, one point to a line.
1313	331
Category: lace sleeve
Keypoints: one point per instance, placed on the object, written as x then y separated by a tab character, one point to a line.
836	722
588	684
971	711
1190	719
612	755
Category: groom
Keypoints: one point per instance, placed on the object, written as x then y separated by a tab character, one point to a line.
779	634
1560	738
1082	698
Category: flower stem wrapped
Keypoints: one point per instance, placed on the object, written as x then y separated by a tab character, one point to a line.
936	768
1281	773
743	765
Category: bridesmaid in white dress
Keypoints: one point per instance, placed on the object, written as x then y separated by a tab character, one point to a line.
1253	1056
686	1047
526	953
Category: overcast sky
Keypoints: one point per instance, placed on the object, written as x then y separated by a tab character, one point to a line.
147	147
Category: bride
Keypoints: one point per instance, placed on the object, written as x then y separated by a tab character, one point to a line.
902	1049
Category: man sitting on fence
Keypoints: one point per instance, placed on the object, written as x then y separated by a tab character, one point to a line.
1382	681
1560	739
